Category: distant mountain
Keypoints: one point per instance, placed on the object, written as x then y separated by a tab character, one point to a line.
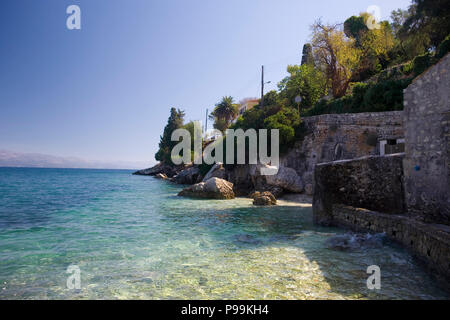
18	159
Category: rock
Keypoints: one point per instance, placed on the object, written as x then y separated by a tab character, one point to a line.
286	178
214	188
217	171
187	176
168	170
309	189
264	199
350	241
161	176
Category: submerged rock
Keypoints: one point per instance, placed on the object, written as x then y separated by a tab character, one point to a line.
214	188
351	241
247	239
264	199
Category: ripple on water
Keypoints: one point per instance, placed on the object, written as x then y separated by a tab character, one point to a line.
134	239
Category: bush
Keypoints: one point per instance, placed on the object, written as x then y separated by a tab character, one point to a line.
421	63
407	68
444	48
383	96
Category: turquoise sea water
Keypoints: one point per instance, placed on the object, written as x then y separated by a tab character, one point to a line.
133	238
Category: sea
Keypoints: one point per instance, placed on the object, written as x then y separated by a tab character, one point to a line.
131	237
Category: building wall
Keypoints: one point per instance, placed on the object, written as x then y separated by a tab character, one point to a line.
427	136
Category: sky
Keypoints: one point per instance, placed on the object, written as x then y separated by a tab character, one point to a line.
104	92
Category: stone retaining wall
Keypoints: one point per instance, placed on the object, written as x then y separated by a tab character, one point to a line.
373	182
332	137
430	243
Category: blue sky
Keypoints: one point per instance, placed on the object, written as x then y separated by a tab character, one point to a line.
104	92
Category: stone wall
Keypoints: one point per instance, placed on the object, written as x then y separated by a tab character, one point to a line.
430	243
373	182
333	137
366	195
427	137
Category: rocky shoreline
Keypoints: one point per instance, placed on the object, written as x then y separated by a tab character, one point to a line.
222	182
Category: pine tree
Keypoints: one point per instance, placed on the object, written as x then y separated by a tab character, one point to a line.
175	121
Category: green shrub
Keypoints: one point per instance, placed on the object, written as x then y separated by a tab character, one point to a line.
383	96
421	63
444	48
407	68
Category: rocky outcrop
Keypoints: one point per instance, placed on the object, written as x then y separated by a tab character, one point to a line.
214	188
263	199
286	178
188	176
165	169
217	171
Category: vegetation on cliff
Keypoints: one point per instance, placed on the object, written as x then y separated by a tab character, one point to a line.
360	65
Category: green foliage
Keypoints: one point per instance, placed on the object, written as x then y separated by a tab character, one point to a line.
444	48
305	81
195	130
307	55
166	144
407	68
286	120
421	63
354	27
224	113
378	97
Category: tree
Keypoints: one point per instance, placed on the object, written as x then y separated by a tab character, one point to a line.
175	121
430	17
408	43
336	55
355	27
307	56
287	120
224	113
304	81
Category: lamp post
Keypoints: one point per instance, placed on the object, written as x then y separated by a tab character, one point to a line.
262	87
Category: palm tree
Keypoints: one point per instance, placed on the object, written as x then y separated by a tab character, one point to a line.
224	113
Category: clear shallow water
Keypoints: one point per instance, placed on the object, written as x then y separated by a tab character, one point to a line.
134	239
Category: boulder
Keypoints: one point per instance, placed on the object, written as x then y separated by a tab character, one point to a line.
187	176
264	199
217	171
214	188
286	178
